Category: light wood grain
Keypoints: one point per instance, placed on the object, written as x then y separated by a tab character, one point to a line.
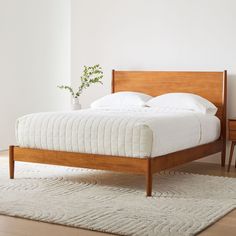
10	226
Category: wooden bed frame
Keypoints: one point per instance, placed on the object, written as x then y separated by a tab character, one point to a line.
210	85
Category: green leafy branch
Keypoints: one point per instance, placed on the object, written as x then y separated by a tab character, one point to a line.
91	75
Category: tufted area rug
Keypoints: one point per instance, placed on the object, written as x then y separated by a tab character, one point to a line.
182	204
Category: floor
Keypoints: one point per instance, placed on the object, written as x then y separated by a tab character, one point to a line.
10	226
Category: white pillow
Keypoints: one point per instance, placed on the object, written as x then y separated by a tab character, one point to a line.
122	100
183	101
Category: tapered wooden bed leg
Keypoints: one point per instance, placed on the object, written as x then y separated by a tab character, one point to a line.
223	154
11	162
149	179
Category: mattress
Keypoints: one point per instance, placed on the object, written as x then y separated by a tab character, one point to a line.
142	132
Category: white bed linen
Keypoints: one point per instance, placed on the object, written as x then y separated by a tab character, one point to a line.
142	132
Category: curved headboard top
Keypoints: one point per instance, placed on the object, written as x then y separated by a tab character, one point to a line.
210	85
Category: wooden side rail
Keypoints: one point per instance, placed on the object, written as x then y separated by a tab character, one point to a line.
145	166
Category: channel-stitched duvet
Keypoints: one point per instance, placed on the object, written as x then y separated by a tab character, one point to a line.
133	133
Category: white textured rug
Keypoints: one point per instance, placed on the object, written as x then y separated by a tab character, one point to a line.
183	204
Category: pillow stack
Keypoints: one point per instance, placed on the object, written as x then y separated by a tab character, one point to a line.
170	101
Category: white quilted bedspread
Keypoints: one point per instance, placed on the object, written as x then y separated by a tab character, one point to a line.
132	133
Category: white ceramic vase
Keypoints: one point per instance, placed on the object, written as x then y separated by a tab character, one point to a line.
75	105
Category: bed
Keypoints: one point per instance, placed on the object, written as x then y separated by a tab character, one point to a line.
140	141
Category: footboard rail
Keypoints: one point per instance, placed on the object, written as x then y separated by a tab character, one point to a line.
146	166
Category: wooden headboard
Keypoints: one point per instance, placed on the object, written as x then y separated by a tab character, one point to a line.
210	85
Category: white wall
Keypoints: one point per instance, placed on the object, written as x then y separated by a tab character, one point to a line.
156	35
34	59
